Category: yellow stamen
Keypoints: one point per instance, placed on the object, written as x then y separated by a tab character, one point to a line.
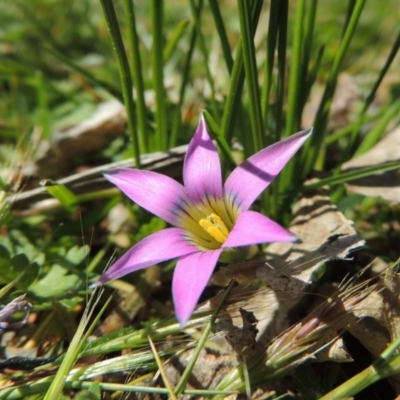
214	226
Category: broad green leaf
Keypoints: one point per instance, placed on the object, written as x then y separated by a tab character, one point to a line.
57	284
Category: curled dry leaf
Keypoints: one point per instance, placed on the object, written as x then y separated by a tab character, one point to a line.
324	233
385	185
238	321
289	268
19	303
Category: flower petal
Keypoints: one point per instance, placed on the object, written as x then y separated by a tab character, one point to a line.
202	168
250	178
191	276
252	228
160	246
157	193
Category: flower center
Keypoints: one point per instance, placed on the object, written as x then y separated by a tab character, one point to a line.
215	227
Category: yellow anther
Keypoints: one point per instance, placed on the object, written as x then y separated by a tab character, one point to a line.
214	226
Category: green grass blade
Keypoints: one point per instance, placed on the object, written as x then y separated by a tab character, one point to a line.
348	129
272	36
137	75
370	98
161	138
313	147
251	74
232	107
306	57
351	175
386	365
69	359
43	109
292	117
393	52
203	49
124	72
22	391
376	133
173	41
185	81
282	73
113	90
200	344
61	193
223	37
222	143
270	198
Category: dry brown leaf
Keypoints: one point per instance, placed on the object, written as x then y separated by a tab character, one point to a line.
107	123
324	234
260	300
385	185
345	101
379	315
208	371
378	318
336	352
289	268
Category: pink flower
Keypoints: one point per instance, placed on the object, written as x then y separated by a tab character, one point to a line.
207	217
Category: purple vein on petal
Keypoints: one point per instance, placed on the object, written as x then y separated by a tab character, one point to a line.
191	276
253	228
202	168
157	193
253	176
160	246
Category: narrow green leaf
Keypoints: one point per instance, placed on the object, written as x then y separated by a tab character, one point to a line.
43	110
61	193
223	37
116	92
369	99
200	344
251	74
137	75
351	175
185	81
232	107
313	147
173	41
203	49
222	143
376	133
306	58
272	37
124	72
157	23
78	342
292	117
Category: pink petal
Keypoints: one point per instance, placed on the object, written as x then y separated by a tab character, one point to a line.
252	228
156	193
251	177
191	276
202	168
160	246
